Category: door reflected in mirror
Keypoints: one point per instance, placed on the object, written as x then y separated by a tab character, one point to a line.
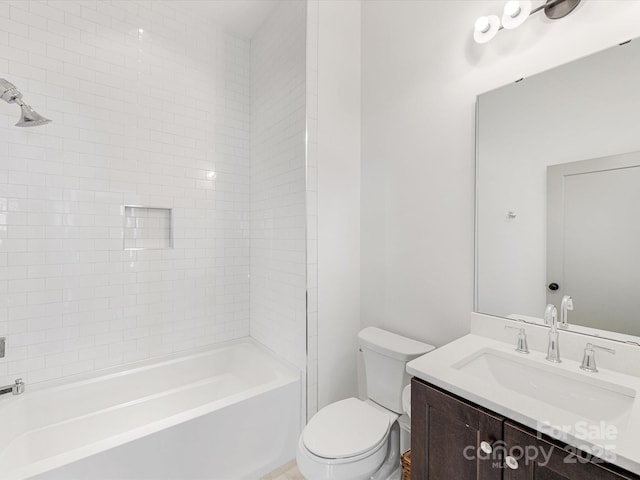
593	237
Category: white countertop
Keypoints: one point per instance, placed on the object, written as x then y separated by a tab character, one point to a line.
616	440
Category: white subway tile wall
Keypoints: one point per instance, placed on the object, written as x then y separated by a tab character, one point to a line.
150	106
146	228
278	262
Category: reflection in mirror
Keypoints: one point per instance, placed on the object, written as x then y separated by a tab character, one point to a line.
593	233
575	129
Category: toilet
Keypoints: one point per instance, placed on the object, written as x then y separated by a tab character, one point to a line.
360	440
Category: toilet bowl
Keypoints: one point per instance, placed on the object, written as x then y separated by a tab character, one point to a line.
349	440
354	439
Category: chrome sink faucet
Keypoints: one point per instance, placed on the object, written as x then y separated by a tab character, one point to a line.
551	319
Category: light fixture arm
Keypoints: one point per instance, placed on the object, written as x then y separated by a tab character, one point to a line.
552	3
517	12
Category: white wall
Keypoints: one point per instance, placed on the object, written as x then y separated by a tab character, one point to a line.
155	118
421	72
338	184
278	262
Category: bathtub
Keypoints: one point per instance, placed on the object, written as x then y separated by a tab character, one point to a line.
230	412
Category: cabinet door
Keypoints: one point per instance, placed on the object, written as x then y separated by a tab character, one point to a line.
538	459
448	436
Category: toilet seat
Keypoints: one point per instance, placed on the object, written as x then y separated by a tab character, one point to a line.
346	429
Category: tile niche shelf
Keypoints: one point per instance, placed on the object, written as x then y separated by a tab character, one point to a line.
147	228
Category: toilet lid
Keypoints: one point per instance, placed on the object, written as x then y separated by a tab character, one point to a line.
345	429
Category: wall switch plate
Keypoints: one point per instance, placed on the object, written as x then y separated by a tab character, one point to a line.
3	341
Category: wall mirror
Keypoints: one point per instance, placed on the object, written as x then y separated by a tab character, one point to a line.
558	195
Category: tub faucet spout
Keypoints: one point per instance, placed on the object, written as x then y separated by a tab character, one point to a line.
16	389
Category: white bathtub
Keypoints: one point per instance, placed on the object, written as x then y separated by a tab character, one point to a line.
231	412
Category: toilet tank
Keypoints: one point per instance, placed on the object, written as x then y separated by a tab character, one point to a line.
385	359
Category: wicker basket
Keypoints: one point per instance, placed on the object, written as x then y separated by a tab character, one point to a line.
405	460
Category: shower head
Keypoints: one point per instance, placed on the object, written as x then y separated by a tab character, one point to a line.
29	117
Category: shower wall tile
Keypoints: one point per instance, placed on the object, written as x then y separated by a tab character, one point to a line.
150	106
147	228
278	170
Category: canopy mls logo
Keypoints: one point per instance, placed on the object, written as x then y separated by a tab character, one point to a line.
529	454
595	444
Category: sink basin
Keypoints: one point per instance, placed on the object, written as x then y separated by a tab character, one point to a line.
590	398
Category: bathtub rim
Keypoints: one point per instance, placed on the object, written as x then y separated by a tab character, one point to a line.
97	375
286	374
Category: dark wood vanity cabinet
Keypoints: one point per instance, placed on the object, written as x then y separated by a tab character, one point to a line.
453	439
446	435
548	461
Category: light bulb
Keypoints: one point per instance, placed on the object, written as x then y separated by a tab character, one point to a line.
486	28
512	8
482	25
515	13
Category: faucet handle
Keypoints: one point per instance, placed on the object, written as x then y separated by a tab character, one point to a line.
522	346
589	358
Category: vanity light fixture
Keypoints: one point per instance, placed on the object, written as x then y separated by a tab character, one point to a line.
515	13
486	28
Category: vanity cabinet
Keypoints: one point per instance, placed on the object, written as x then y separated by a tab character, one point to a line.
548	461
447	433
454	439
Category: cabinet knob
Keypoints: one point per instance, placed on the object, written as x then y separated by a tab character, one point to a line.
511	462
486	447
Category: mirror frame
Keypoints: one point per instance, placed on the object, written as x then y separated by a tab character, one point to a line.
572	328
